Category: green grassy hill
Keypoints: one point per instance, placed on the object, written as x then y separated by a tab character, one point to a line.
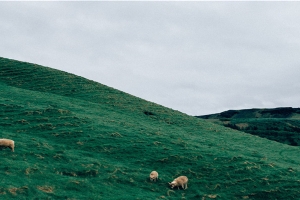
78	139
278	124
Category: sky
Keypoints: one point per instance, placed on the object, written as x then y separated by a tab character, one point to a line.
195	57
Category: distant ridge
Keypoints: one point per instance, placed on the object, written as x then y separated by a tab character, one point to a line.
281	112
279	124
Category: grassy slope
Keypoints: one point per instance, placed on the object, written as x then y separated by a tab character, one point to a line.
78	139
278	124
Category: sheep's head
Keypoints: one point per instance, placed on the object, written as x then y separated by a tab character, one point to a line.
173	184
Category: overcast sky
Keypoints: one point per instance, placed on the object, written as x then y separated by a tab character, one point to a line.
196	57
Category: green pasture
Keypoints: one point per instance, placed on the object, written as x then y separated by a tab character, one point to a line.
79	139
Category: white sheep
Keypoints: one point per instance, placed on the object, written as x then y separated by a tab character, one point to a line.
7	143
153	176
179	181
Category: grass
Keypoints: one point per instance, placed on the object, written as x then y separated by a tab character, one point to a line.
78	139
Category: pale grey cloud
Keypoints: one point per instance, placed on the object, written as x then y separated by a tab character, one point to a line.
196	57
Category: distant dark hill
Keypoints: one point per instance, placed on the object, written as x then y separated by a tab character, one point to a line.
284	112
278	124
77	139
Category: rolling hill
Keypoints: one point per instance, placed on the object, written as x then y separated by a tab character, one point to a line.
278	124
79	139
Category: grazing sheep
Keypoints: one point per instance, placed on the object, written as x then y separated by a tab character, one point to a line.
7	143
153	176
179	181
